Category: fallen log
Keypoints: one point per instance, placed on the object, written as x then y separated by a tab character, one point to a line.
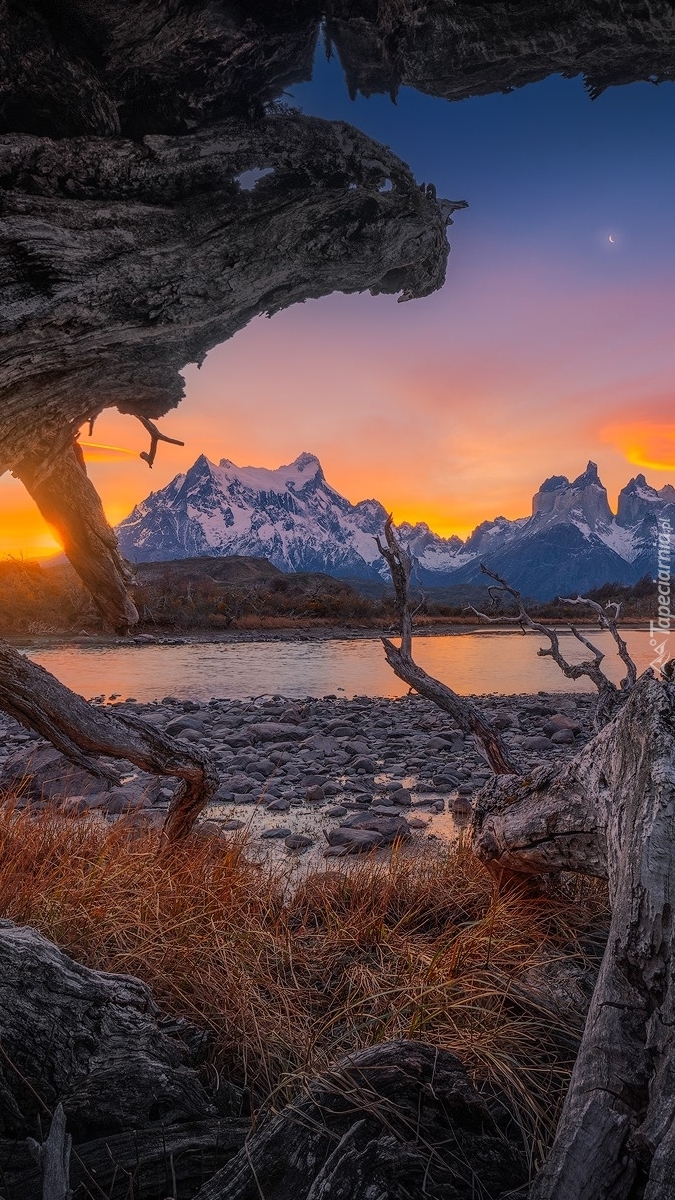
95	1043
148	1164
83	732
399	1121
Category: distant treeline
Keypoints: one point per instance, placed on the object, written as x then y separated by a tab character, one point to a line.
183	596
42	600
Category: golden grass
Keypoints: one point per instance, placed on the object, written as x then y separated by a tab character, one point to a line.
290	978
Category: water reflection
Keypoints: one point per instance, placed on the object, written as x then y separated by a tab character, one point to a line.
472	663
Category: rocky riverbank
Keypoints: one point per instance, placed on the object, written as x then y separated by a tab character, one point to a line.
314	778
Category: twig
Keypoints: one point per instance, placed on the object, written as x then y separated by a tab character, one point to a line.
608	693
156	436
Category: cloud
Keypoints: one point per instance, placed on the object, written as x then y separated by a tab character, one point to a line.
644	444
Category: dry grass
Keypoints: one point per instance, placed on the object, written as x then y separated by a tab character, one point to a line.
288	979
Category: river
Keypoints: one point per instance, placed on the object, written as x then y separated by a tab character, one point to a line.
472	662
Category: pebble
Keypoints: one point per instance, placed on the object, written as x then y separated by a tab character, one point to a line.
370	757
315	793
298	841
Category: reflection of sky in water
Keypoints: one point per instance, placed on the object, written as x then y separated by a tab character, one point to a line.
476	662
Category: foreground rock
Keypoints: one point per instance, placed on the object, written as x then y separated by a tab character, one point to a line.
325	768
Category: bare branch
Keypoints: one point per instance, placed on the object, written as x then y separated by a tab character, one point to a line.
608	693
609	623
83	731
156	436
400	659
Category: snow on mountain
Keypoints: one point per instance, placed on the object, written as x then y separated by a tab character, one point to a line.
290	516
571	542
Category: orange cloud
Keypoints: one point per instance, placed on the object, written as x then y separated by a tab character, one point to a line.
645	445
97	452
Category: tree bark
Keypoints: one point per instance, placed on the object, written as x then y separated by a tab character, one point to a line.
83	731
69	502
610	812
462	711
399	1121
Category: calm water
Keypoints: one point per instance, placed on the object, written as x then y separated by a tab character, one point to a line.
471	662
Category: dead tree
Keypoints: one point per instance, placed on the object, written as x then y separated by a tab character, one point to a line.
83	732
610	813
400	659
610	697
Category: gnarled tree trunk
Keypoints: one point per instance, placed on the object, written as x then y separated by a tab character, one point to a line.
610	812
69	502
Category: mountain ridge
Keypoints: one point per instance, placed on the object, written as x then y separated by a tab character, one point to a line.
292	516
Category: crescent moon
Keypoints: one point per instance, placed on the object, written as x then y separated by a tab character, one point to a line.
611	238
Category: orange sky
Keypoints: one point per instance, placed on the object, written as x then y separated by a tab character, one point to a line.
451	409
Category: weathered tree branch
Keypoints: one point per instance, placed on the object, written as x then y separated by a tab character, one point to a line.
609	696
608	622
156	436
69	502
400	659
82	731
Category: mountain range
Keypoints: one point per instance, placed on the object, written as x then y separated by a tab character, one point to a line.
571	542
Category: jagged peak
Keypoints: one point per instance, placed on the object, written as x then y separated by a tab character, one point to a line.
554	483
588	477
305	459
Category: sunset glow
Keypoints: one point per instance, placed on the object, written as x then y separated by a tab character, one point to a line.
649	446
547	346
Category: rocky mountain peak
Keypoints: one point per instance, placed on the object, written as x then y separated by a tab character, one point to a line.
588	477
639	501
291	516
583	501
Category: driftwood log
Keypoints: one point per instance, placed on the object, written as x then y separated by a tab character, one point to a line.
91	1047
85	733
400	1121
95	1043
150	1163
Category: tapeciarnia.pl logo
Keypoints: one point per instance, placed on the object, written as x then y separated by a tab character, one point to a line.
659	630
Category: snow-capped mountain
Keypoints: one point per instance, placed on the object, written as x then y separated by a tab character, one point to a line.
293	517
290	516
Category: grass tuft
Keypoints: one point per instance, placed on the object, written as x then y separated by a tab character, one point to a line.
289	978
